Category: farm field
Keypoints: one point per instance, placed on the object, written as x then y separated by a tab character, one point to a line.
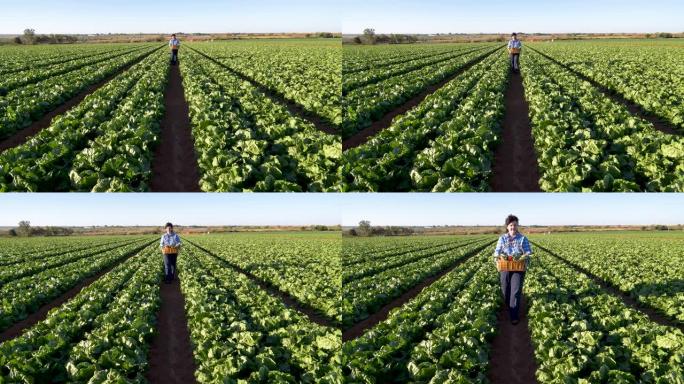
581	116
234	116
618	323
102	314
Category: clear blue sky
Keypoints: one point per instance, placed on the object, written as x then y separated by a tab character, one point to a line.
152	16
532	209
495	16
347	209
85	209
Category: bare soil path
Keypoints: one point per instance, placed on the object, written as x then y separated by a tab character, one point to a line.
170	356
515	160
174	165
511	358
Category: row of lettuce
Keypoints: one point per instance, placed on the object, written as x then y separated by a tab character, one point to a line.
445	143
370	285
586	142
648	75
25	96
247	142
580	332
306	73
368	99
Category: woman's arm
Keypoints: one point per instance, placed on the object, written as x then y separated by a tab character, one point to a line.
527	248
499	249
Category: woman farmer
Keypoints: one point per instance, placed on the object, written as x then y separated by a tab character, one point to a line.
514	47
170	245
512	244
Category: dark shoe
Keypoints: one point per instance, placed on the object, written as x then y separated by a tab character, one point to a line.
515	322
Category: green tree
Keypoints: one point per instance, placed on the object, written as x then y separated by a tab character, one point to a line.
364	228
30	35
24	228
369	35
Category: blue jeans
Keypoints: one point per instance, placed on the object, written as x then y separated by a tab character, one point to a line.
174	56
511	286
169	266
515	61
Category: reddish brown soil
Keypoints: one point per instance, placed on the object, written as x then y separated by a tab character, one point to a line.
170	355
511	358
633	108
22	136
319	122
652	313
377	126
40	315
272	290
174	165
515	160
360	328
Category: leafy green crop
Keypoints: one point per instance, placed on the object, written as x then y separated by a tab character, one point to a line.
366	293
304	72
240	331
45	353
445	143
246	142
31	285
36	91
649	75
583	334
439	336
102	144
586	142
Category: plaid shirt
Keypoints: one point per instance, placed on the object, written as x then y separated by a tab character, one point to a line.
514	44
510	246
170	239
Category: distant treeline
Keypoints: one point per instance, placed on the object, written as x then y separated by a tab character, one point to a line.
29	37
24	229
366	230
369	37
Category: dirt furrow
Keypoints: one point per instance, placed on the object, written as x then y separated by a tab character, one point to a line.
170	355
511	357
515	160
174	165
